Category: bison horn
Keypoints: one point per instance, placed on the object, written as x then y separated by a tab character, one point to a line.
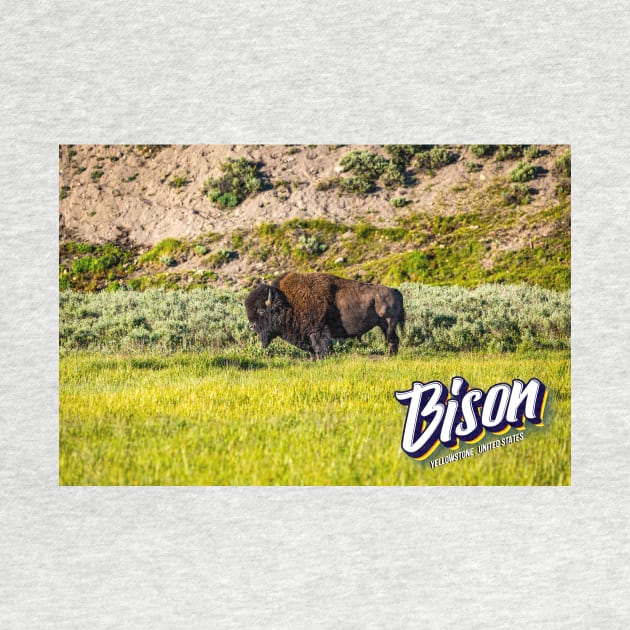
268	302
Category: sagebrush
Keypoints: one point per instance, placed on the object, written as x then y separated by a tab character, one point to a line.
491	317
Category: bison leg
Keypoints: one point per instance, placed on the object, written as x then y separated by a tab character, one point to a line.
321	343
388	326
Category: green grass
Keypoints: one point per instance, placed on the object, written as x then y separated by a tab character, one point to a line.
167	247
90	267
231	419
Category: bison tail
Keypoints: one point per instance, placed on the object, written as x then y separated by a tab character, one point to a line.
401	321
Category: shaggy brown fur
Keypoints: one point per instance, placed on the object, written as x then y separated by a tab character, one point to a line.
309	310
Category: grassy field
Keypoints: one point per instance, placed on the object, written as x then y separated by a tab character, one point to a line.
238	419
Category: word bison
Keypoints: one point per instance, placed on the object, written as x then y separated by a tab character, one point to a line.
309	310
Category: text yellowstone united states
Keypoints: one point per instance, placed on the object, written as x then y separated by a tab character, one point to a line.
437	416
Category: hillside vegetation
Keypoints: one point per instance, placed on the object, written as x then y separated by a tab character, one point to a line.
142	216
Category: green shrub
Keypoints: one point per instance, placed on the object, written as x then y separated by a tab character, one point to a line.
563	188
240	179
399	202
201	250
366	165
517	195
96	174
63	192
237	239
523	172
219	258
532	152
434	159
392	177
402	154
310	245
510	151
473	167
481	150
327	184
355	185
562	165
169	261
178	181
226	200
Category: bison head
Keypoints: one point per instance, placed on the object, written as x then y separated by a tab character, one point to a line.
265	306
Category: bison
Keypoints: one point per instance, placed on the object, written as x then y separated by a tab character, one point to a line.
309	310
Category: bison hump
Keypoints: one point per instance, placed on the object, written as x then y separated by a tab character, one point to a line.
309	293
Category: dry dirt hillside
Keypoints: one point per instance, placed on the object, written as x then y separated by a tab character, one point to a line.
136	196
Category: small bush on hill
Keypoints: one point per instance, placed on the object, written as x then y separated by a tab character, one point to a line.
510	151
399	202
326	184
178	181
562	165
402	154
563	188
355	185
219	258
473	167
523	172
369	166
481	150
310	245
517	195
392	177
532	152
434	159
240	179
